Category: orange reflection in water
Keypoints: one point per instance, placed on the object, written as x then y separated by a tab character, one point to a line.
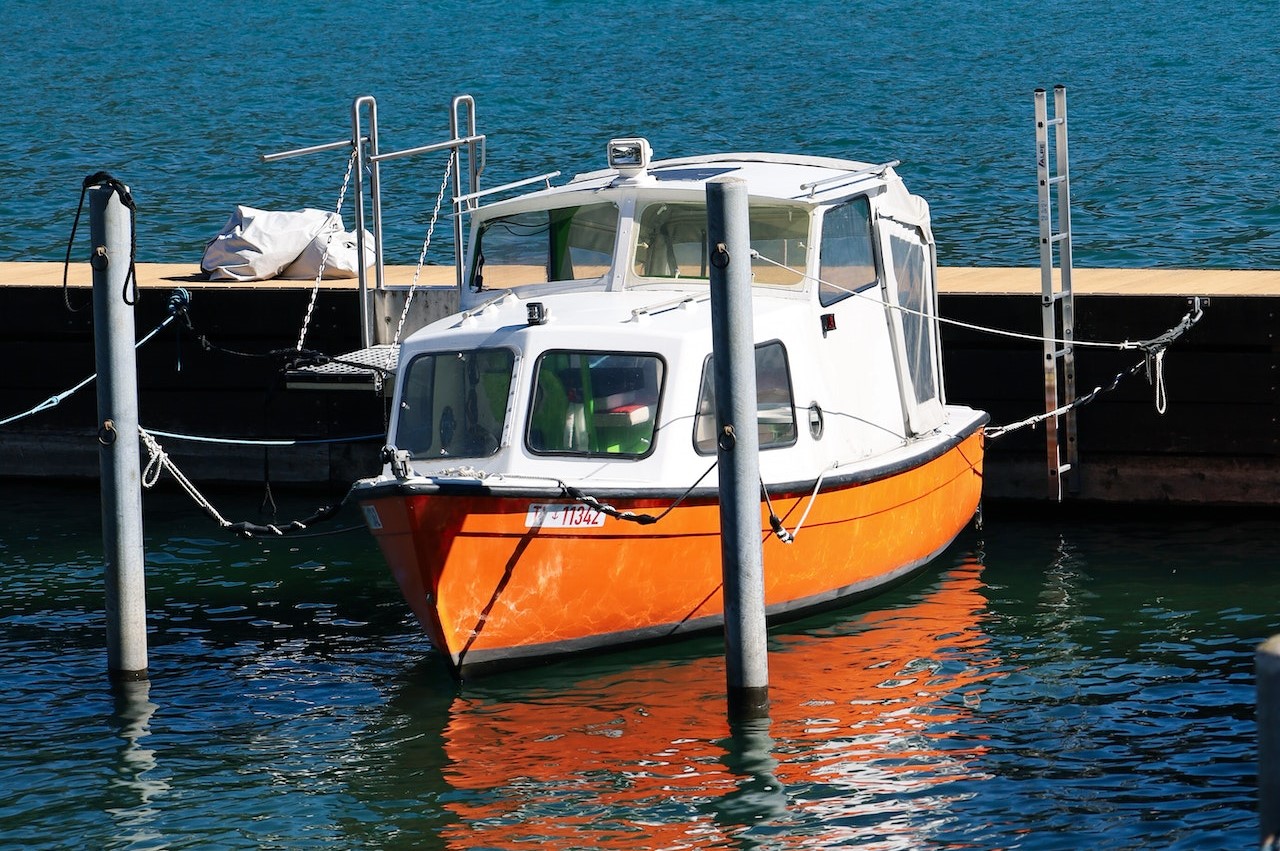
863	737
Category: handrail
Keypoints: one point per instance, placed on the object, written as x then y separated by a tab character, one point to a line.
426	149
375	197
849	177
313	149
462	199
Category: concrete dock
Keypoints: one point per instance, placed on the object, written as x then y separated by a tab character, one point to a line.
1217	444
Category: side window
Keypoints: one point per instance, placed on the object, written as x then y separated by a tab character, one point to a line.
909	264
454	404
848	262
562	244
775	406
594	403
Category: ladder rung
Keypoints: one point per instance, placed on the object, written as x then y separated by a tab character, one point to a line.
1057	178
1062	468
1059	237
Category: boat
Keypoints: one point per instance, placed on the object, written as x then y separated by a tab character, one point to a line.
549	484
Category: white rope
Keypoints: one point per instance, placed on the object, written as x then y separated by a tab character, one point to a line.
778	529
54	401
1162	398
422	255
258	441
324	257
159	461
1127	344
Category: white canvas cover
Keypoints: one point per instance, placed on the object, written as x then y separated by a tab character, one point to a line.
256	245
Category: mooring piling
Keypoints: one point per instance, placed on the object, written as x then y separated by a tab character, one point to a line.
733	353
1267	670
111	232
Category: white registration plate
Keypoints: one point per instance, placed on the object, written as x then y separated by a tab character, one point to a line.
551	515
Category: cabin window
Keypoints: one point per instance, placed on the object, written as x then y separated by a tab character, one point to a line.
595	403
848	262
910	269
562	244
775	406
454	404
673	242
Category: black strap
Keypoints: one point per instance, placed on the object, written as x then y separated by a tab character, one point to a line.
102	178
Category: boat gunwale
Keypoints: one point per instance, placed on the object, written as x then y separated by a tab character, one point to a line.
454	485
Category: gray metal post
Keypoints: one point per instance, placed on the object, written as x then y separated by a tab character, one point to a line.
733	349
119	453
1267	667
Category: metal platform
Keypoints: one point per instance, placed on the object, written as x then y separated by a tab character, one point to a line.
367	369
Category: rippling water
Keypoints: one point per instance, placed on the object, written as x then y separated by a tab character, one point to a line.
1172	109
1049	684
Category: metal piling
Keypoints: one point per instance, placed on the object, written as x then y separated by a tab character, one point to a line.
733	351
119	454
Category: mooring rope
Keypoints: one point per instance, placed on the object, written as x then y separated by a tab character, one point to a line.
100	178
158	461
58	399
984	329
1153	362
578	495
267	441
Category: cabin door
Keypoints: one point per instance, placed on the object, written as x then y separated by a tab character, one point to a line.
911	292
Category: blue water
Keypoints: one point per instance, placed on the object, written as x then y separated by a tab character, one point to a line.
1048	684
1052	682
1172	106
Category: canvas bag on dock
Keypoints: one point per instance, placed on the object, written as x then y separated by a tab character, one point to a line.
256	245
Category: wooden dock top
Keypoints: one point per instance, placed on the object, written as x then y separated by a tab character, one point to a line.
975	280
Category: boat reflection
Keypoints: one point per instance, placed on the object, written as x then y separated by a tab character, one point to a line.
862	744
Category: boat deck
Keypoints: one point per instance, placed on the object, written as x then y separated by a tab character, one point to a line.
1001	280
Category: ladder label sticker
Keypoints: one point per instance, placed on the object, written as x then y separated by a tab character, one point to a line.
561	516
371	517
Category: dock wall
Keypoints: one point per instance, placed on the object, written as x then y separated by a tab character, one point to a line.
1218	442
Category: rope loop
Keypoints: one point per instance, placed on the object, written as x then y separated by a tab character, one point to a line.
102	178
1152	361
159	461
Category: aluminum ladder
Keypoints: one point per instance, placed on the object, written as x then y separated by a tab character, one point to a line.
1056	302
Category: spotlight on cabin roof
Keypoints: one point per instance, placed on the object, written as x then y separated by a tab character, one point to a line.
629	156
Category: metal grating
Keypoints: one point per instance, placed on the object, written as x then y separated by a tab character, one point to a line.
373	367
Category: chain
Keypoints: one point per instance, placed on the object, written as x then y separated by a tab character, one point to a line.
324	257
426	243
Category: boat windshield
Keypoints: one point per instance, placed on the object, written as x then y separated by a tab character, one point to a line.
561	244
673	242
453	404
595	403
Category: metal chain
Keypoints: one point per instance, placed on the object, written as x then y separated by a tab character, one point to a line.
324	257
426	243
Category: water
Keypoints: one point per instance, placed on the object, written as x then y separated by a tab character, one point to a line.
1051	682
1172	109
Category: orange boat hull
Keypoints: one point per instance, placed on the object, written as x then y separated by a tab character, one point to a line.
493	592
